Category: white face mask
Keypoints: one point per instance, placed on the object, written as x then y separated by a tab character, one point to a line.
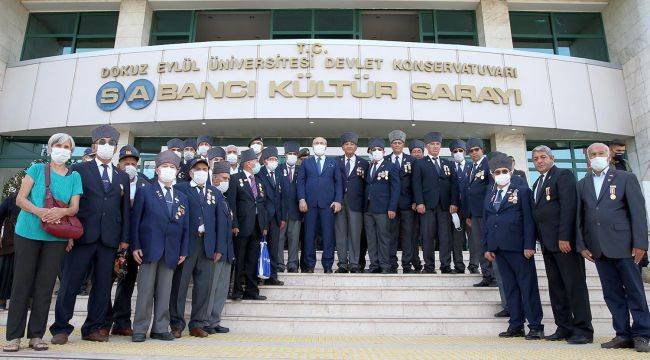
599	163
188	155
231	158
319	149
459	157
60	155
223	186
502	179
131	170
257	148
272	165
256	168
203	150
167	174
200	177
292	159
178	153
377	155
105	152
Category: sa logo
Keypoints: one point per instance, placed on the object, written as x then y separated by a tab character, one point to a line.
138	95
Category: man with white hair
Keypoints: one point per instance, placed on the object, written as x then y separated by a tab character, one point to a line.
232	156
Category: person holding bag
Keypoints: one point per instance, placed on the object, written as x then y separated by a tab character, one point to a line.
38	253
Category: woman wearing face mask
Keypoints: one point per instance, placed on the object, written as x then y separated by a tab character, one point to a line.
38	254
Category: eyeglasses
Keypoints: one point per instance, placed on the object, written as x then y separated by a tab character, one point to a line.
110	142
473	150
457	151
499	172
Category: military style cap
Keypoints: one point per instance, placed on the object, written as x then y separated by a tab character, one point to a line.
204	138
168	157
376	143
416	144
457	144
291	146
198	160
128	150
216	151
247	155
474	142
104	131
396	135
189	142
220	167
433	136
268	152
303	152
175	143
89	152
256	138
349	136
499	160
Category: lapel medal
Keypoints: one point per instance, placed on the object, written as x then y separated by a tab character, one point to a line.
612	192
241	182
548	193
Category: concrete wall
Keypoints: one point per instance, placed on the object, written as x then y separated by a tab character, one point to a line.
13	23
134	24
493	24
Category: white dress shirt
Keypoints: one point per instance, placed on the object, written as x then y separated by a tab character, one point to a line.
399	159
599	180
201	228
101	169
353	162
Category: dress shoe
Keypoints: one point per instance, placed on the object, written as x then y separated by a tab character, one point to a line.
473	270
446	270
354	269
642	344
429	271
459	271
104	332
512	333
407	270
386	271
327	271
580	339
254	297
138	337
483	283
221	329
374	270
166	336
309	271
96	336
122	332
177	333
535	334
59	339
618	342
281	269
342	270
557	336
418	269
198	332
273	282
502	314
209	329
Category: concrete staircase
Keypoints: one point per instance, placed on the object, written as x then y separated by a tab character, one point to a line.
378	304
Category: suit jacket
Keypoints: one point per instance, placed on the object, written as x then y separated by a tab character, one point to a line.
103	214
157	233
462	181
383	189
405	174
247	208
320	190
614	223
224	229
478	184
290	208
555	209
202	211
354	184
273	191
512	227
433	187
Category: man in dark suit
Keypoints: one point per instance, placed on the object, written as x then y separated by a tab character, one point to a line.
292	215
416	149
554	208
104	213
436	196
245	197
320	194
271	180
612	231
189	153
119	315
509	238
349	221
214	155
401	228
463	170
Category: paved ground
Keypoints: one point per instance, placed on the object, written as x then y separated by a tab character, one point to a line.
255	346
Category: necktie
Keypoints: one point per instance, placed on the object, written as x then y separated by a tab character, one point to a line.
473	173
201	191
435	163
168	200
459	170
291	174
273	178
396	161
374	171
251	179
319	164
497	201
347	167
538	190
105	179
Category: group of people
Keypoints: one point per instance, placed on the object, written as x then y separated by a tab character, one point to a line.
202	217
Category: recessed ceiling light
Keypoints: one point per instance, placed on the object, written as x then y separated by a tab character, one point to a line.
413	124
311	122
513	129
202	123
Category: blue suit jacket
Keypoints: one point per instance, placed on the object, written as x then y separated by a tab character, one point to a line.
103	214
156	233
512	227
354	185
476	189
406	174
462	180
202	210
320	190
383	189
290	194
273	198
225	245
433	187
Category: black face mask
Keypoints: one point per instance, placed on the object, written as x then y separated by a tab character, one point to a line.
619	157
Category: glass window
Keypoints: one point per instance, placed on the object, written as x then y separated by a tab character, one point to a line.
530	24
334	20
448	27
581	23
169	39
94	44
456	40
49	46
292	20
455	21
314	24
52	23
536	45
584	48
98	23
172	21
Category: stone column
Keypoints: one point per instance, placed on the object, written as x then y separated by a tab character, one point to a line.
513	144
133	24
126	137
13	23
493	24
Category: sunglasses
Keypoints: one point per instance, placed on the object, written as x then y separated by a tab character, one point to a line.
457	151
499	172
104	142
473	150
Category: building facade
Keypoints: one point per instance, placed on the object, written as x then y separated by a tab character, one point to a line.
516	73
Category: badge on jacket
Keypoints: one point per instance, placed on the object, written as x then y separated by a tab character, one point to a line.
612	192
382	175
445	168
513	197
210	198
360	172
180	212
480	174
407	167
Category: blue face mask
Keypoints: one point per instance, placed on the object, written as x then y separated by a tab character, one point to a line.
256	168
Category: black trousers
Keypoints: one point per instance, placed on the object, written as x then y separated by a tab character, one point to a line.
401	229
37	264
436	230
247	250
567	286
119	315
458	242
272	241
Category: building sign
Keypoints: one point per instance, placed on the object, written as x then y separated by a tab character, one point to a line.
309	57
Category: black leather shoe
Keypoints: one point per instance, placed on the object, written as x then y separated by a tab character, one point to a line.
459	271
483	283
535	335
354	269
273	282
642	344
502	314
386	271
512	333
557	336
342	270
309	271
473	270
375	271
618	342
446	270
292	270
209	330
138	337
580	339
236	297
429	271
407	270
328	271
254	297
166	336
221	329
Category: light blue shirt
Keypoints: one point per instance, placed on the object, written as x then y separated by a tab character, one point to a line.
599	180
